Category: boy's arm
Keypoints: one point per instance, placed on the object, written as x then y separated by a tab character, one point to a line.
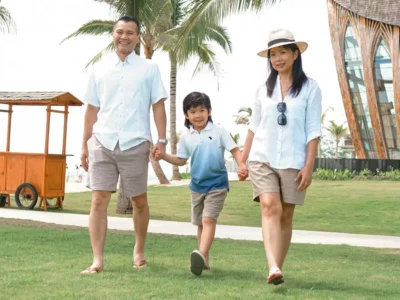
236	154
174	160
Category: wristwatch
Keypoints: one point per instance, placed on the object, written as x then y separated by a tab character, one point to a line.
164	141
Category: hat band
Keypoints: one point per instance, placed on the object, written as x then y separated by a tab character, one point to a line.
274	42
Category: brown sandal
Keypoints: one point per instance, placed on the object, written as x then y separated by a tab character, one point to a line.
92	270
142	264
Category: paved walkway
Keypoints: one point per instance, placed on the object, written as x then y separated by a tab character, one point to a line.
223	231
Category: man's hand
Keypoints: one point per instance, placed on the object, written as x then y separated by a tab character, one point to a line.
242	171
159	150
85	158
305	175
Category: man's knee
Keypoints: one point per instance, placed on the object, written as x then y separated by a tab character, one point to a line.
100	200
140	202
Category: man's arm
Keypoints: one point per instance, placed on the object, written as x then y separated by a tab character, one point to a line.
90	119
160	118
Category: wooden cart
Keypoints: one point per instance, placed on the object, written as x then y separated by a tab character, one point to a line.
30	176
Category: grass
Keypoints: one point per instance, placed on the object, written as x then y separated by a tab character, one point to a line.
368	207
44	263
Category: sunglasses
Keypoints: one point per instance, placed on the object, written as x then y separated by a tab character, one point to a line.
282	120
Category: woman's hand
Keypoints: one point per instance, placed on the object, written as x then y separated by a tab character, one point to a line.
305	175
242	171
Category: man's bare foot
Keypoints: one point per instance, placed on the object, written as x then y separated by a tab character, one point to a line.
139	260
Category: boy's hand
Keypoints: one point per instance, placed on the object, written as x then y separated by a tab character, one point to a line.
242	172
157	155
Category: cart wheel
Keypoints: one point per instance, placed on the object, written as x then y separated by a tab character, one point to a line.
2	200
26	196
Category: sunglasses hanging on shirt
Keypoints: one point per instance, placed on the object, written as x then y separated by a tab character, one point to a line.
282	120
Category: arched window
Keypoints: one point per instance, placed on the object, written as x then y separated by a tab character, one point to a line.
355	77
385	95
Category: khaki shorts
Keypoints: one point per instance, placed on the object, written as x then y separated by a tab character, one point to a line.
266	179
105	166
207	205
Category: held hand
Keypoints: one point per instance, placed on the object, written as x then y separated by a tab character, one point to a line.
157	156
160	148
305	177
85	159
242	172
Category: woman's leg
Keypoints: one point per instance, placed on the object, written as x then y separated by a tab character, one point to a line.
286	232
271	214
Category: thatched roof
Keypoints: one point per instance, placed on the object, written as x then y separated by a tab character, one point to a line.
39	98
386	11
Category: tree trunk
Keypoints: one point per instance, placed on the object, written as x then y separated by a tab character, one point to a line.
337	149
124	204
172	113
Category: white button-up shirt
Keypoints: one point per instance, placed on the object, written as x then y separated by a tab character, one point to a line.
124	92
285	147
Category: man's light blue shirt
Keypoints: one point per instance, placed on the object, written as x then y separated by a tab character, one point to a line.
124	92
206	149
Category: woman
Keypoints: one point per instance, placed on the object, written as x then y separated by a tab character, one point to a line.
281	144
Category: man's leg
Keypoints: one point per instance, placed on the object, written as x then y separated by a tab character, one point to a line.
98	227
140	222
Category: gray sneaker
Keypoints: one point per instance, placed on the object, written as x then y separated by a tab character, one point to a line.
197	262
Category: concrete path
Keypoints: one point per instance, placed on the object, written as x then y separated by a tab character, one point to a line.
223	231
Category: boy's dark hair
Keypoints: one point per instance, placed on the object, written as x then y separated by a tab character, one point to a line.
129	19
298	76
193	100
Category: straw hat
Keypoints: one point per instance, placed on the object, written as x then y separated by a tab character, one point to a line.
282	37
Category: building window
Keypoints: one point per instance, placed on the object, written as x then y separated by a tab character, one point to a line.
385	95
358	94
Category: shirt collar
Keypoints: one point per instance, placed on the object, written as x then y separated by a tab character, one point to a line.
209	126
129	59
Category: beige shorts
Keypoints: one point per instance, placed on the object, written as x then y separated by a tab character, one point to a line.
266	179
105	166
207	205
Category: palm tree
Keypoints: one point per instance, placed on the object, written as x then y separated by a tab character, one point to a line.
338	132
322	123
6	22
161	20
215	11
235	137
243	119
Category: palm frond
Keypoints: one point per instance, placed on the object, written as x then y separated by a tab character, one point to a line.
99	56
94	27
7	24
207	59
215	11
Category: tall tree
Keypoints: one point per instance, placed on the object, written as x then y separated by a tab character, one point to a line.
338	132
323	117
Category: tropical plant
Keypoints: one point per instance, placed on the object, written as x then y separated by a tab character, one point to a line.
7	24
323	116
338	132
243	118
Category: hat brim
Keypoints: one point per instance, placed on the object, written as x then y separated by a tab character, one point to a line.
302	47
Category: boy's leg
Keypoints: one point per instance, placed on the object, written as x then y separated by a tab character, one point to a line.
213	204
199	232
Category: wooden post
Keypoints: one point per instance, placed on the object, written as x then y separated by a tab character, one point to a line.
65	130
9	128
46	145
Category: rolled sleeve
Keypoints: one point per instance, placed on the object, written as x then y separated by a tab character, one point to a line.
313	114
227	141
256	114
158	91
91	96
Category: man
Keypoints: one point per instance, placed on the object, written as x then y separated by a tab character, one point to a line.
116	138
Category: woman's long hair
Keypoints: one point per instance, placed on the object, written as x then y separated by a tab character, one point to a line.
299	78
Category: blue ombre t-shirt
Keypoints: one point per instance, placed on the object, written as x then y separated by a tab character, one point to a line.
206	149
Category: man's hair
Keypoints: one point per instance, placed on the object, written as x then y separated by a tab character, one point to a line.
129	19
193	100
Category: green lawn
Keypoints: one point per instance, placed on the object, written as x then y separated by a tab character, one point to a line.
369	207
44	263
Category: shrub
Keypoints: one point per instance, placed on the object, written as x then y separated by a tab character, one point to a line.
366	174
